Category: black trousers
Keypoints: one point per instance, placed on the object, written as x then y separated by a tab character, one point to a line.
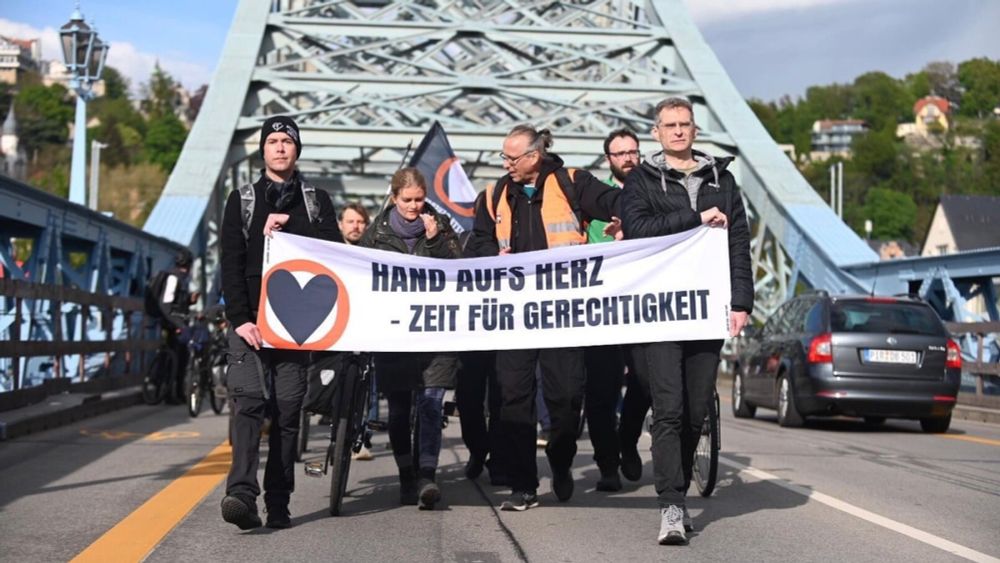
605	370
478	396
681	378
562	387
635	405
285	378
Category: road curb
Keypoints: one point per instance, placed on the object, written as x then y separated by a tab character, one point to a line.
60	410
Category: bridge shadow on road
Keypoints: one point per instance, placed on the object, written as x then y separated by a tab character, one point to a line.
32	463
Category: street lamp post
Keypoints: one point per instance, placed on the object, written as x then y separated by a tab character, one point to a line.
84	54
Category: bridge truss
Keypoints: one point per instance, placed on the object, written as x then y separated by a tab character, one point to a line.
364	79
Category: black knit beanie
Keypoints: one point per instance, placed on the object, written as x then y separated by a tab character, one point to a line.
281	124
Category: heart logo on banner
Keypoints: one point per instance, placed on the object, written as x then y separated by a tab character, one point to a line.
301	309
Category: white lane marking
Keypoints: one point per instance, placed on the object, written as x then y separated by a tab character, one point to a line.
910	531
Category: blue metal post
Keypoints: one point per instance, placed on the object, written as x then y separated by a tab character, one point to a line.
77	187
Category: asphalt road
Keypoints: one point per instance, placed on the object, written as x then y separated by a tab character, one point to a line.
108	487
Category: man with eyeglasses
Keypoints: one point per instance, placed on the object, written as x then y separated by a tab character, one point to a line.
605	365
671	191
539	204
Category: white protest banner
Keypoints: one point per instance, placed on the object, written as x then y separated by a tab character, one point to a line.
319	295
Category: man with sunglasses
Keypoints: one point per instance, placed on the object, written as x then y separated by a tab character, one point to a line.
539	204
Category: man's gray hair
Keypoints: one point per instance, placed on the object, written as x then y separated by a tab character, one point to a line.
673	103
538	140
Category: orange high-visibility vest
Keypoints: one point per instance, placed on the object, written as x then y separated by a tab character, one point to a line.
562	226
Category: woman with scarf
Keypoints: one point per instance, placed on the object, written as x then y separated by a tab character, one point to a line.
411	227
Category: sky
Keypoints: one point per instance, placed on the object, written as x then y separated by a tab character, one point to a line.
770	48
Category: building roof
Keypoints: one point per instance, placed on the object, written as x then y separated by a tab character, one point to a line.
941	103
974	220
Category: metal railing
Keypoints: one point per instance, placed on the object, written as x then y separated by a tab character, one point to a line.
982	332
129	342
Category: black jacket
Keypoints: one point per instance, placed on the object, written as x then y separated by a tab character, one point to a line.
404	371
596	200
650	211
242	258
381	236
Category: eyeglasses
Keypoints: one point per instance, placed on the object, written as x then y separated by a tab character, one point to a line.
675	125
622	154
513	159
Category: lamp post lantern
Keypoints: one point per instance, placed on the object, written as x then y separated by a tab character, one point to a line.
84	54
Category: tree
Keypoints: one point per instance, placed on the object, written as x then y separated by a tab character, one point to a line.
121	128
115	84
874	155
159	94
767	113
892	214
881	101
42	114
981	80
164	139
942	80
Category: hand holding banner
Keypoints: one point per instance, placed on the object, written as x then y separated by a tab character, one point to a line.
320	295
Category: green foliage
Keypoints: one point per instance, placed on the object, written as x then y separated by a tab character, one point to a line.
881	101
981	80
115	84
159	94
164	140
121	127
892	214
43	113
874	155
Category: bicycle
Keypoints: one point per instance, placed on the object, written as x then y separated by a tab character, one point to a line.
160	381
706	455
206	369
348	429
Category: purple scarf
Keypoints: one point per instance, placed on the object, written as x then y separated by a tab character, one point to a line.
409	231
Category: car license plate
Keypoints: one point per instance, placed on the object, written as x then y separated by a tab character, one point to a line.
889	356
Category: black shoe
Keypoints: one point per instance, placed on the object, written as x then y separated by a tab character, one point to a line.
519	501
609	482
241	512
631	464
278	517
430	494
688	523
562	485
473	468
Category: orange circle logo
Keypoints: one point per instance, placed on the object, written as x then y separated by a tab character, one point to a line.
302	311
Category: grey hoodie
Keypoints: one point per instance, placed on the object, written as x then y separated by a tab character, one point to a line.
691	180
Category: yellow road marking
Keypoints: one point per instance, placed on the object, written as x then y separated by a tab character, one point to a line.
975	439
115	435
138	533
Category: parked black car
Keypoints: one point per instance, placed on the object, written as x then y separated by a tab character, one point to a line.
870	357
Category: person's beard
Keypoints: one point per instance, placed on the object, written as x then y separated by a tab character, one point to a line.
620	173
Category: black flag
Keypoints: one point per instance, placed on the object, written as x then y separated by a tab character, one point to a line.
448	188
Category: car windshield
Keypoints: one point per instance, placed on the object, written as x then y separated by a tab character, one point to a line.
893	317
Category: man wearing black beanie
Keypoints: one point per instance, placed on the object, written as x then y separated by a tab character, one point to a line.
265	382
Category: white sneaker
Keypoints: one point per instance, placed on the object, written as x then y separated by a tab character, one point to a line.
364	454
672	526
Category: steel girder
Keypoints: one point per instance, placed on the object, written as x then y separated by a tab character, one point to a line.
365	79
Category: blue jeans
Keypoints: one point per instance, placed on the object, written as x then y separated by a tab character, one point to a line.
428	439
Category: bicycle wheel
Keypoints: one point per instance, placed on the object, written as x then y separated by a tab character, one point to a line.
194	390
706	455
340	457
217	400
153	383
